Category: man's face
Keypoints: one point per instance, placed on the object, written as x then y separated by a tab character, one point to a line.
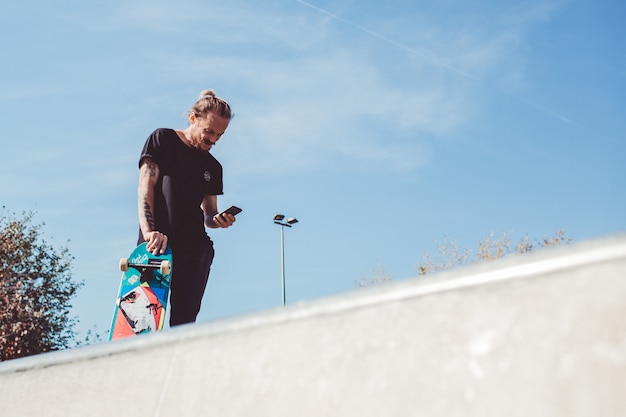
206	130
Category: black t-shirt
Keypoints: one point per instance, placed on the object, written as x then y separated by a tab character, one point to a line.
186	176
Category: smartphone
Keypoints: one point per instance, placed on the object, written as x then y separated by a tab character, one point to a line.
234	210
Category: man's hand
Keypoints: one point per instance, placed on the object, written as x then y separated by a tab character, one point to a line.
222	221
157	242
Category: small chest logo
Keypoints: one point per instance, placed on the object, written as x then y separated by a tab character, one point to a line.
207	176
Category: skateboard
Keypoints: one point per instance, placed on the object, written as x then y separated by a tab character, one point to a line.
142	298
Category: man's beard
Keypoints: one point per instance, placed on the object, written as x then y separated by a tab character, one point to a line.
197	144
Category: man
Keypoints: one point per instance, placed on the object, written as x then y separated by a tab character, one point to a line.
179	181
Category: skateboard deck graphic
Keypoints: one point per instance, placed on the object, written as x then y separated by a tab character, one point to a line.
142	298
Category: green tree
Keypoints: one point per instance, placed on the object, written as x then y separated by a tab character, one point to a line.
36	288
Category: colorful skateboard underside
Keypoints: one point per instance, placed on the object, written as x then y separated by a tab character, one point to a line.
142	298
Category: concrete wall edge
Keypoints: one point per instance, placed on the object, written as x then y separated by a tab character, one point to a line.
510	268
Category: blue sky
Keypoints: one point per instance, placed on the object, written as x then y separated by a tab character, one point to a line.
384	127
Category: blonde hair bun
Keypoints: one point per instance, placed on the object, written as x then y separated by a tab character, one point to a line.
209	102
206	94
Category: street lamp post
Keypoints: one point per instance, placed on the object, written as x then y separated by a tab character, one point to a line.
278	219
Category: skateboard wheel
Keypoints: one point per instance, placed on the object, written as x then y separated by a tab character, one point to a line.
124	264
165	267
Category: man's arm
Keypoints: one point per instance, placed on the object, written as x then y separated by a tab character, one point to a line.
211	219
148	177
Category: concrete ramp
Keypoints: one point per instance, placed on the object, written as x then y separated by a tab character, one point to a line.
535	335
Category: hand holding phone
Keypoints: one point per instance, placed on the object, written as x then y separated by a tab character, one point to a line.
220	220
234	210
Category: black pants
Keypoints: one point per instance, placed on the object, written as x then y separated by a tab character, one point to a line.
190	274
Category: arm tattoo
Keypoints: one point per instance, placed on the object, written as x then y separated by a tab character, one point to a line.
147	212
151	169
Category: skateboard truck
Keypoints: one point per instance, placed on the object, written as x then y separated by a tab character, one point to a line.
147	270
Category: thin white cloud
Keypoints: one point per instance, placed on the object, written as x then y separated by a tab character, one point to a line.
487	49
531	11
427	56
314	92
309	106
30	92
305	111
